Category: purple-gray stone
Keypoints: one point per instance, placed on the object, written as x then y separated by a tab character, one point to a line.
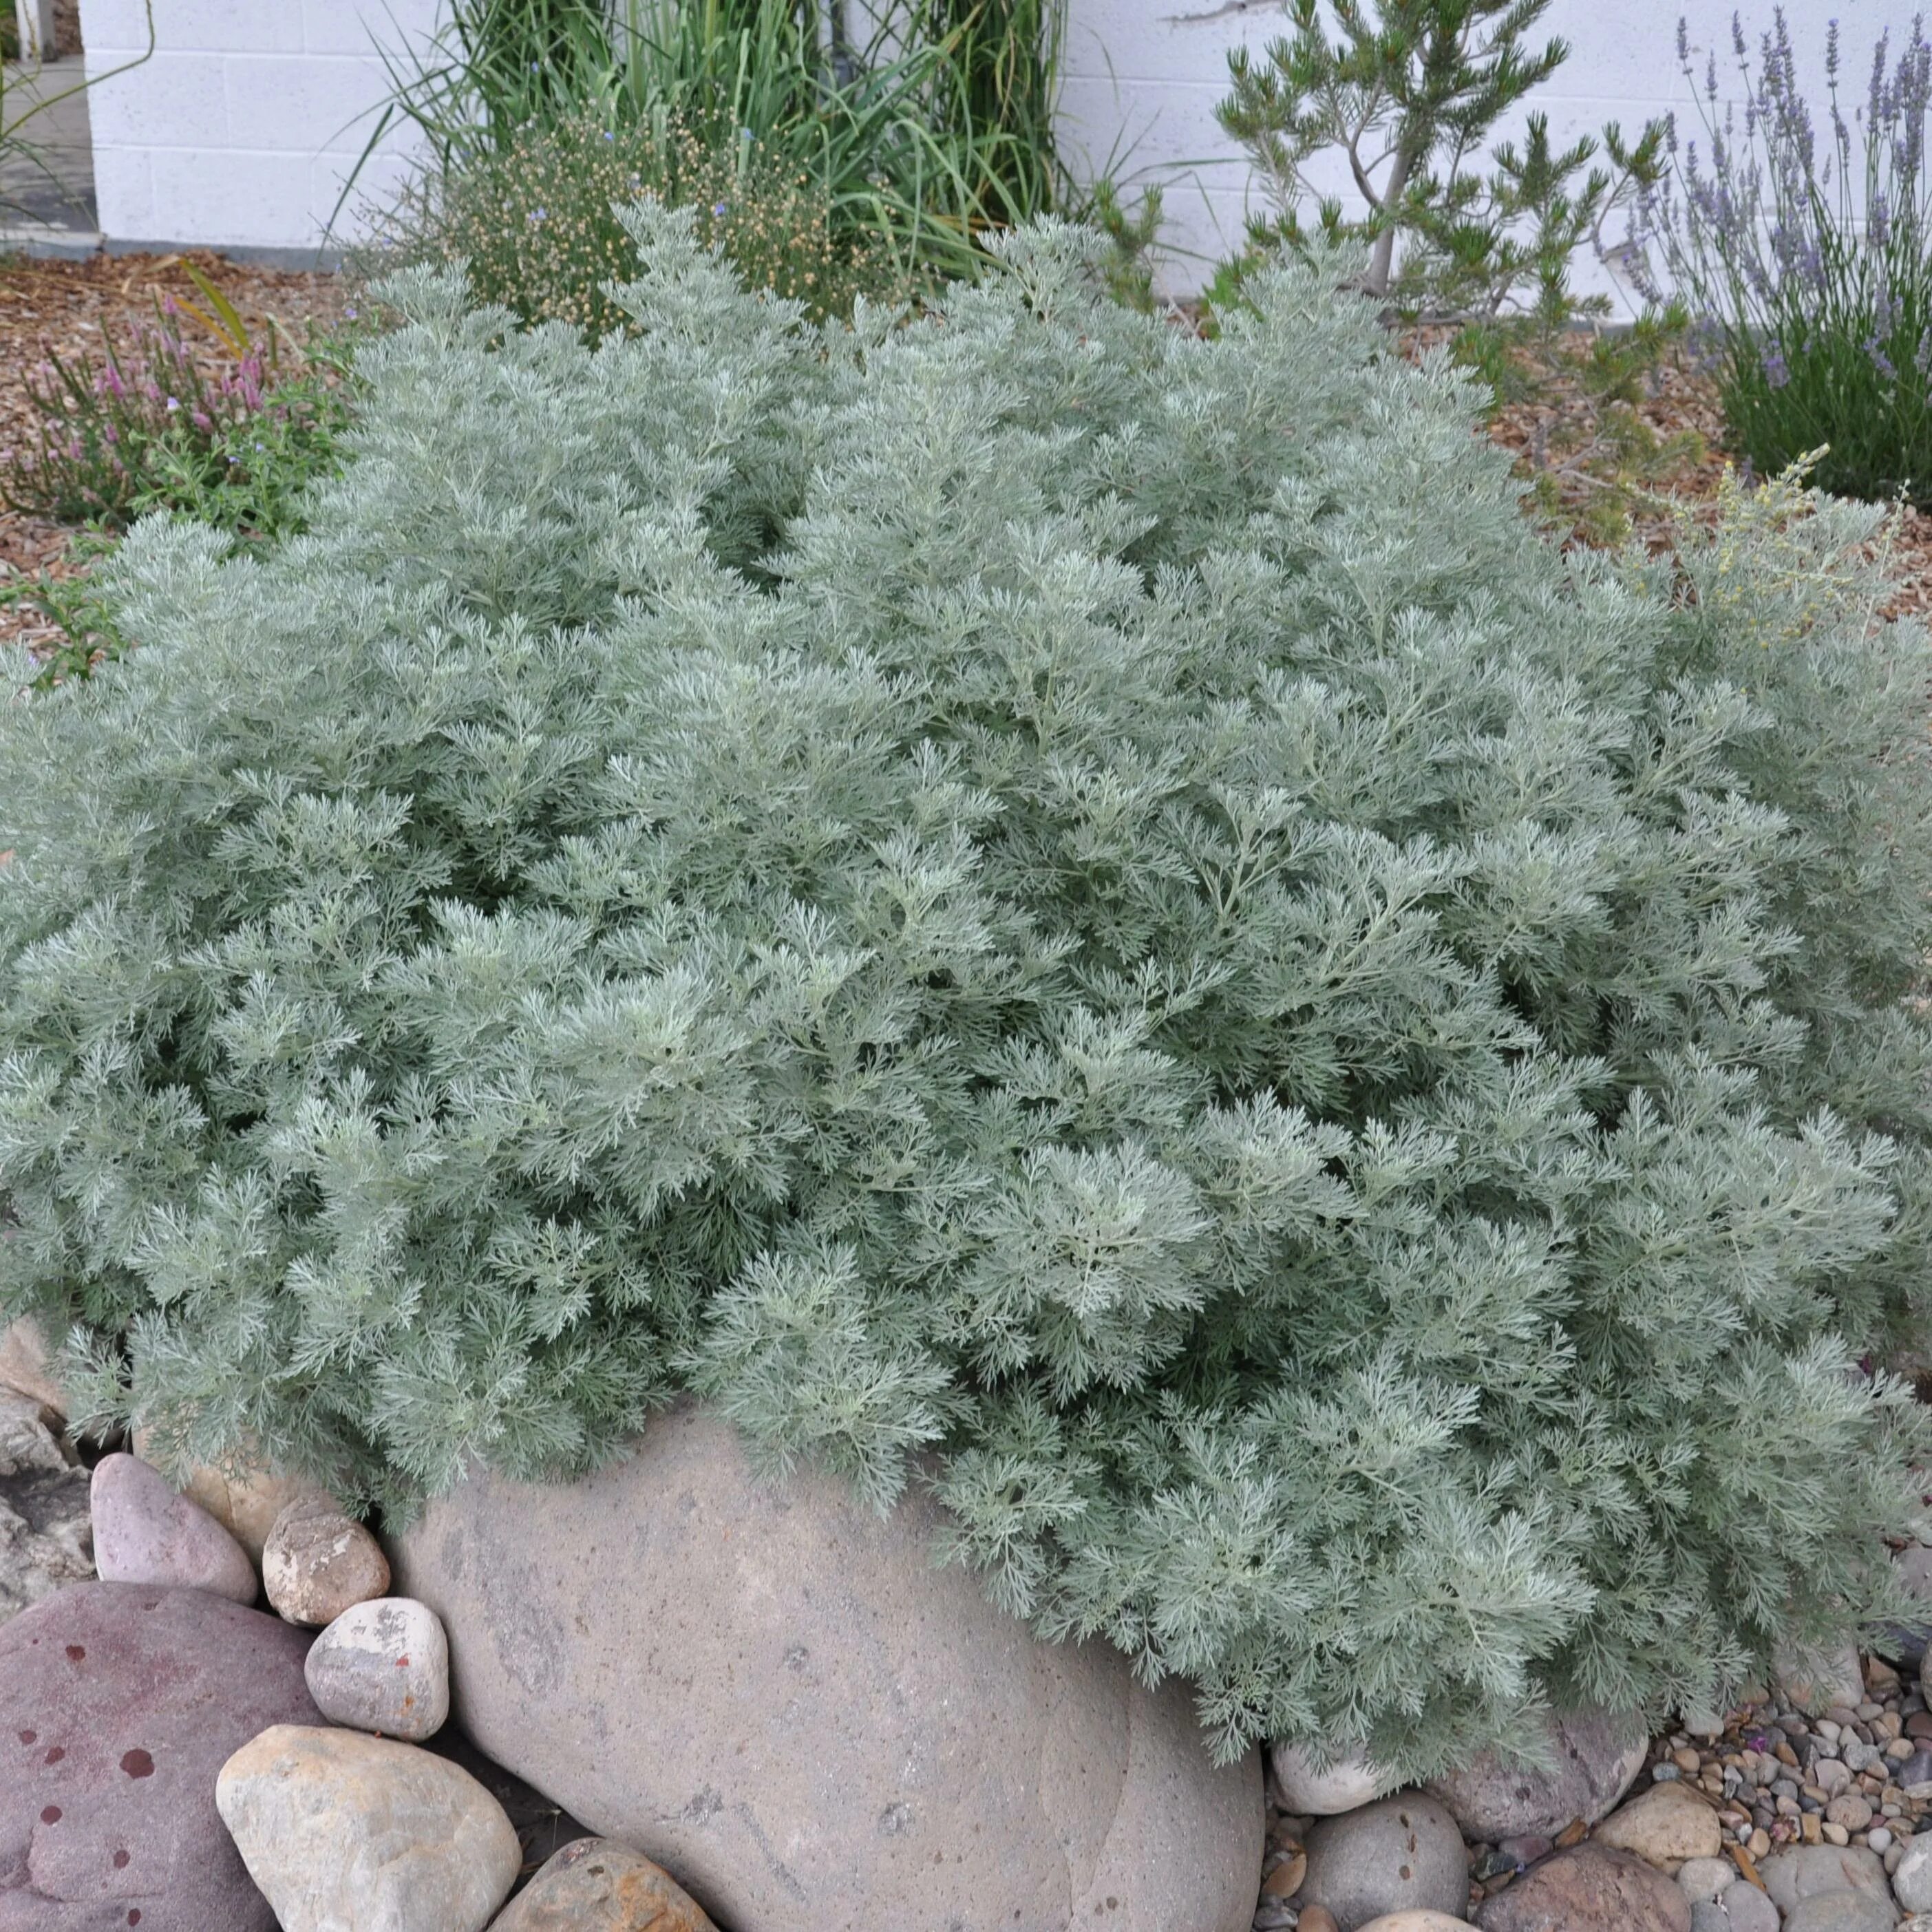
119	1704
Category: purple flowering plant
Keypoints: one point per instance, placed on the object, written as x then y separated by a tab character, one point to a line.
1806	252
152	427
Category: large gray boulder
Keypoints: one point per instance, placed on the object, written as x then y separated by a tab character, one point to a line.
774	1692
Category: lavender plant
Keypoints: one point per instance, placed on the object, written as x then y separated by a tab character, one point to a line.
1807	253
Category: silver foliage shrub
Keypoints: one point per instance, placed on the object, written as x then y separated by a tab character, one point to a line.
1023	902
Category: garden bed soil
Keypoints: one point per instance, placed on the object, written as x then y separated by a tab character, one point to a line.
71	308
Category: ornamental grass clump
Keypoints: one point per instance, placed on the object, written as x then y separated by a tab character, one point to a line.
1810	260
1025	902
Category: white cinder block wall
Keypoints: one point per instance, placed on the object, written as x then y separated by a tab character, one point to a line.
241	127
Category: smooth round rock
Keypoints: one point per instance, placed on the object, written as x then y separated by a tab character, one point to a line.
774	1692
1800	1871
317	1562
119	1703
144	1533
1749	1910
1588	1760
1590	1889
1703	1878
1912	1880
1818	1680
47	1536
1344	1784
383	1666
1417	1921
596	1884
343	1831
1399	1854
1841	1912
1851	1809
1663	1826
245	1495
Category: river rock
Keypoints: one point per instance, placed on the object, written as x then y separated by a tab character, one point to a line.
245	1497
144	1533
1815	1680
1591	1889
1841	1912
1417	1921
120	1703
1589	1759
1799	1871
46	1540
317	1562
1664	1826
383	1666
1400	1853
774	1692
342	1831
1912	1880
1312	1792
1702	1880
26	1367
598	1885
1747	1909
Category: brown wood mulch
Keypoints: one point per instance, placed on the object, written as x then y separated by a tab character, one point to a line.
1682	396
71	308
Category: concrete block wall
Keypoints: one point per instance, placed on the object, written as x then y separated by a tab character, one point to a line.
242	126
1144	77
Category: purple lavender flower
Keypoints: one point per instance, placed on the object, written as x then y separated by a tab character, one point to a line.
1775	372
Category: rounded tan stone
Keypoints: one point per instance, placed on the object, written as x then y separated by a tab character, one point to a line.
1417	1922
244	1494
318	1563
1342	1783
1664	1826
340	1830
596	1884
